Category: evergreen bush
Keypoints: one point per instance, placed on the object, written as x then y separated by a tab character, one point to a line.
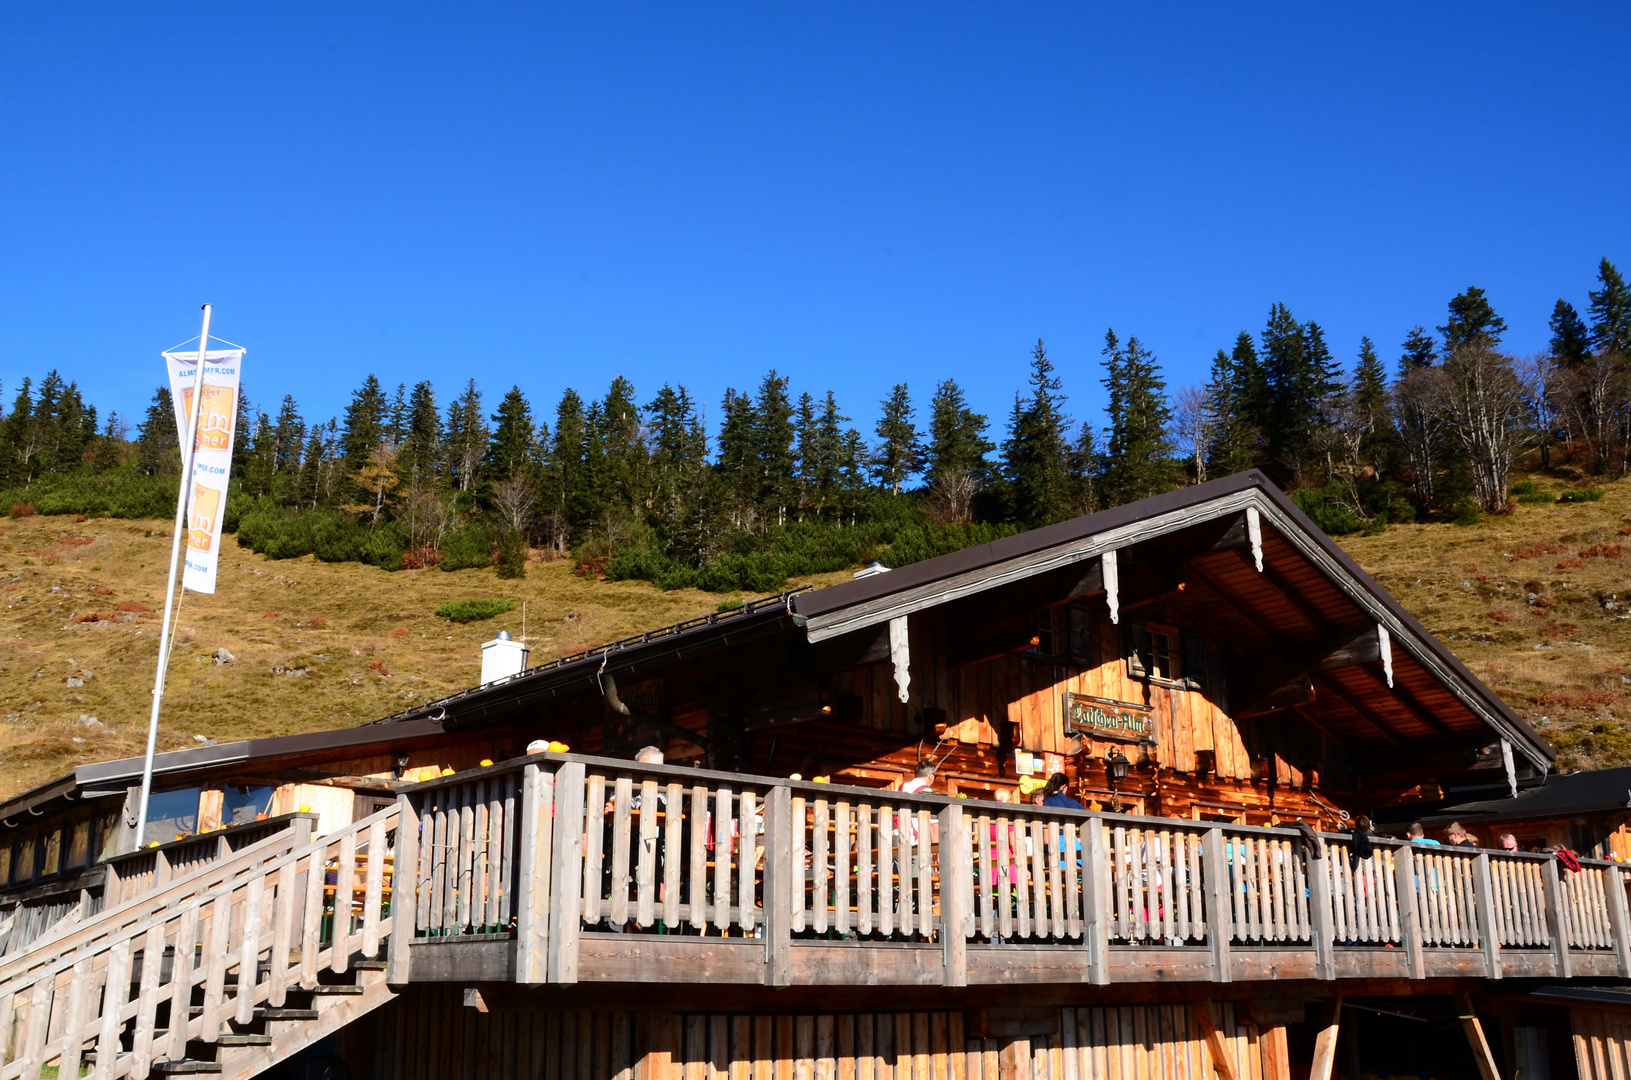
468	611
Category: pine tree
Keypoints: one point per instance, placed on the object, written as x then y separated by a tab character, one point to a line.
899	451
1252	404
623	474
510	449
564	486
1296	364
957	439
158	448
773	446
1472	320
1420	350
465	441
738	464
1138	453
1370	400
1229	451
1571	341
834	459
422	436
1035	454
806	451
1611	312
364	428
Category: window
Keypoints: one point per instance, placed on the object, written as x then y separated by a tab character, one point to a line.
1165	654
1065	633
243	803
1044	633
1159	664
171	814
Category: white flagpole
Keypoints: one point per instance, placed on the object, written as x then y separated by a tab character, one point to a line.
189	447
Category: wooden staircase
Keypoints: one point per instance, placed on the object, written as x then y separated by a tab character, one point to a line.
253	958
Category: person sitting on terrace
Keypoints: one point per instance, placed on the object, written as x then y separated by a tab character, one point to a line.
1457	836
1508	842
1418	835
923	781
1055	793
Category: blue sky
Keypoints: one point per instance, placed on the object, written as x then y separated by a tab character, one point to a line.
854	195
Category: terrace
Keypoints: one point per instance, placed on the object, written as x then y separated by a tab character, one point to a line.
562	869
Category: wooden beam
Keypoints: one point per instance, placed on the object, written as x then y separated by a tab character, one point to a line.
1331	734
1362	710
1288	592
1487	1069
1325	1041
1297	690
1412	705
1223	1063
1195	569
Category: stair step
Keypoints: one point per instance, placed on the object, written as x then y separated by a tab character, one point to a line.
338	988
186	1067
246	1039
286	1014
369	965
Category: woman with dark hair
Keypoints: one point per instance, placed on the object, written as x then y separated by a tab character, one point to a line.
1054	793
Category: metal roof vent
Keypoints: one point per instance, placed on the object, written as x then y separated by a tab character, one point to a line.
873	569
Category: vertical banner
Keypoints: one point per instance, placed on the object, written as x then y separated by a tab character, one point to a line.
212	462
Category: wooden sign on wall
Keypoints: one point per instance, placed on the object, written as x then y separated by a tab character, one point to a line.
1102	720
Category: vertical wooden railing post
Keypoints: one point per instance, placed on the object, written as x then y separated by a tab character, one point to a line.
566	890
1219	925
1489	932
1096	901
779	884
533	875
1404	882
956	892
1619	918
1557	920
1322	929
404	891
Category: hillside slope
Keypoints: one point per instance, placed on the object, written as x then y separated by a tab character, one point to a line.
315	645
1537	603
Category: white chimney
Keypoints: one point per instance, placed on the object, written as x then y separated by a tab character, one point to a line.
501	658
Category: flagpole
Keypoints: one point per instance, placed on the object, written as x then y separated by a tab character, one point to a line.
189	448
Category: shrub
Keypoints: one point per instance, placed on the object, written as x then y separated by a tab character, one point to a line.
512	555
22	510
1522	487
466	548
1575	495
1537	497
468	611
1332	517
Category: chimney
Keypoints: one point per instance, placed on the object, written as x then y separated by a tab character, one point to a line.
501	658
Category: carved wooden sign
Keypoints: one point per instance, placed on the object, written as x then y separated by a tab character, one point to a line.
1102	720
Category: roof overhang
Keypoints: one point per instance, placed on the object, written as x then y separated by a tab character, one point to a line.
857	605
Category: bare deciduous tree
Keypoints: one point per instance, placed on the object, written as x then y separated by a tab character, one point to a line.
1486	411
1418	407
1194	423
514	499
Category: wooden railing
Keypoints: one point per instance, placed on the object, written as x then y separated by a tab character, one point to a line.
231	937
553	847
140	871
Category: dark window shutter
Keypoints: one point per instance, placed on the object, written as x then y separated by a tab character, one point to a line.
1137	639
1194	660
1081	635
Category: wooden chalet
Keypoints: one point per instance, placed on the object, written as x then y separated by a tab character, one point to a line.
1221	685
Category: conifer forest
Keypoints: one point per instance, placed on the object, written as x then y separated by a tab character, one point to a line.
783	481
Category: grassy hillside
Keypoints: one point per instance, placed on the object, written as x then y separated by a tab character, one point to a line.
316	645
1537	603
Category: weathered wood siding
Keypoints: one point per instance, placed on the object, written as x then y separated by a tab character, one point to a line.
430	1033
